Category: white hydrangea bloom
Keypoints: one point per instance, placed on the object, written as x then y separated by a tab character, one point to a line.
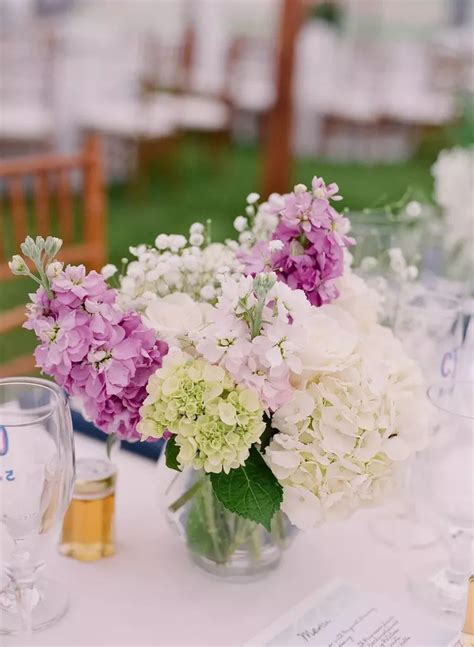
354	417
362	302
175	315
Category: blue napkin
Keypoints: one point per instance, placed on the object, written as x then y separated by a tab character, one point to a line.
146	449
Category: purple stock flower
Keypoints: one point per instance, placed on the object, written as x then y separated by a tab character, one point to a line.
72	286
93	350
313	235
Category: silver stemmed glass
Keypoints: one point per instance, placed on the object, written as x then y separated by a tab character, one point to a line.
446	475
36	479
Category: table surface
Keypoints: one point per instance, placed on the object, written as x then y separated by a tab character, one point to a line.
150	593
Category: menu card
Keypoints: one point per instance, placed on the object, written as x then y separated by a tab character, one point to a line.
340	616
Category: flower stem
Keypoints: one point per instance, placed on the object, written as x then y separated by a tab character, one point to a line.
209	511
184	498
112	441
278	529
256	544
208	232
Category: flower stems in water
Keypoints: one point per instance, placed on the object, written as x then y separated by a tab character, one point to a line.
217	534
187	496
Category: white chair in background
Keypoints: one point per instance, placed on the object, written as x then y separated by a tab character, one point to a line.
107	50
406	94
251	30
169	77
27	88
314	82
350	111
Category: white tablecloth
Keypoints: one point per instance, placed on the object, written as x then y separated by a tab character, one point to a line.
149	593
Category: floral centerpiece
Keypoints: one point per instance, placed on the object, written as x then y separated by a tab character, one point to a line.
277	390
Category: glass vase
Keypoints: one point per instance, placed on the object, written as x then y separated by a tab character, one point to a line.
220	542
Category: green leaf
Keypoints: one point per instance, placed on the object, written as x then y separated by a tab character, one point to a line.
251	491
171	454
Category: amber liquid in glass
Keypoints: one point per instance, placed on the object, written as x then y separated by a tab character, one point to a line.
88	529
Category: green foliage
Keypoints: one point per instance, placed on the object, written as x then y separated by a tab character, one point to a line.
251	491
207	530
171	454
462	133
327	12
198	537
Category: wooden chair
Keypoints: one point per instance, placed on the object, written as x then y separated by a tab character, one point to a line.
32	191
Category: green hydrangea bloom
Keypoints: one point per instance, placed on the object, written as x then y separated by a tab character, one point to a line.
215	420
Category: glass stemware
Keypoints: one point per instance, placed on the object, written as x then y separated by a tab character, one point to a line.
36	478
428	323
446	475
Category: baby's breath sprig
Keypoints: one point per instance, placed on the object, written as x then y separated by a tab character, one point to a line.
244	224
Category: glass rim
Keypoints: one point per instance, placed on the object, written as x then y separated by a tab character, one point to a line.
449	385
375	216
46	385
440	299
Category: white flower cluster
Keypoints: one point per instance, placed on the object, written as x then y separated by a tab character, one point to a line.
177	264
260	220
398	265
345	399
353	416
454	192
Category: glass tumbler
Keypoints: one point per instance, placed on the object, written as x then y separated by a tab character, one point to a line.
446	472
36	479
428	323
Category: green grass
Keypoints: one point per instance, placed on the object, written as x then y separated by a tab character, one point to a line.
210	187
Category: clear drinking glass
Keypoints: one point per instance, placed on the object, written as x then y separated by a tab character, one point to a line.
428	323
36	479
446	472
376	233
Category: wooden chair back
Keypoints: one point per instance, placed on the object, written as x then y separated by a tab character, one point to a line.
38	197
